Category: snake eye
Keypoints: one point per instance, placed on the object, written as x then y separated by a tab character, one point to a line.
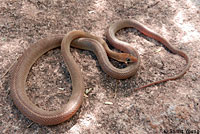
128	59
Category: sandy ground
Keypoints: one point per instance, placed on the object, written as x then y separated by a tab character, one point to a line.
170	107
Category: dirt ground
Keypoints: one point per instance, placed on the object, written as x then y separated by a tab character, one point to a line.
170	107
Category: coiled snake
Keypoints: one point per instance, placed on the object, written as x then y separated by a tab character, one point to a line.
82	40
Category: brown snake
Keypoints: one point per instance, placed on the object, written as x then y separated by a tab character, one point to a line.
86	41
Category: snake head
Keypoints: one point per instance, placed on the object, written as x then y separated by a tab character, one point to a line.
128	58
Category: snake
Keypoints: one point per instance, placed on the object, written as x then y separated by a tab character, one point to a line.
86	41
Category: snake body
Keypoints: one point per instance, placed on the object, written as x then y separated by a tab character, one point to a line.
129	23
25	62
85	41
